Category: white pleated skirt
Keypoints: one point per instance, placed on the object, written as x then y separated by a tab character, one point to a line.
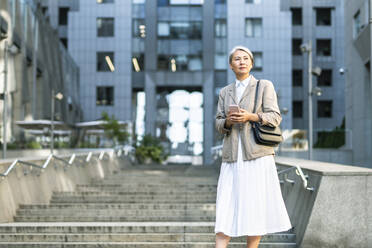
249	199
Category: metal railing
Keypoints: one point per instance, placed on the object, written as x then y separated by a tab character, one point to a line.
217	152
299	173
118	151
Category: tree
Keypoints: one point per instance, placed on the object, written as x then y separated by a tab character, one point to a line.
113	130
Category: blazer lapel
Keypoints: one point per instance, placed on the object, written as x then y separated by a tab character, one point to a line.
250	88
232	93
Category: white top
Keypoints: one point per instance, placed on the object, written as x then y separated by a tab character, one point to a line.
240	88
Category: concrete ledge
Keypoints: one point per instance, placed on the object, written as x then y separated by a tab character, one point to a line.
323	168
37	188
338	213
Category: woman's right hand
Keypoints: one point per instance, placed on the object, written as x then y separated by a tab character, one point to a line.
229	121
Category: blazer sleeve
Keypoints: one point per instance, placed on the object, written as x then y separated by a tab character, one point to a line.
271	114
221	116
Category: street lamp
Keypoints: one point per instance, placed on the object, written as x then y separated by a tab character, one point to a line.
58	96
307	48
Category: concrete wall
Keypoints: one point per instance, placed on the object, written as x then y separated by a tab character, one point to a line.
37	188
338	212
358	86
325	155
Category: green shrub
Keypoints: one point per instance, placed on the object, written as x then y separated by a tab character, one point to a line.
33	145
150	148
331	139
114	131
86	144
61	144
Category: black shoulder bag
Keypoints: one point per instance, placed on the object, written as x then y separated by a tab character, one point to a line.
265	135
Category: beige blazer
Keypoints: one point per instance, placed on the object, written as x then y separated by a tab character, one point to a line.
267	106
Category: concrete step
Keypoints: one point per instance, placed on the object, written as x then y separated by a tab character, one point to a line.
141	194
134	206
108	227
137	218
113	213
151	185
147	207
149	182
133	237
132	199
146	190
137	245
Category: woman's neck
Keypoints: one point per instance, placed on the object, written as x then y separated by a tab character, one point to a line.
242	76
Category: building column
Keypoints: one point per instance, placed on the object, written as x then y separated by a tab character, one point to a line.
208	80
150	66
208	108
150	107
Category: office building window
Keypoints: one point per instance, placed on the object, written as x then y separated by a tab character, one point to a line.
258	61
323	17
64	42
105	27
63	16
179	62
220	28
186	2
104	1
220	1
220	62
105	61
180	30
296	16
44	10
325	78
253	27
357	27
138	1
297	109
253	1
323	47
324	109
296	43
139	28
179	2
297	78
105	95
138	62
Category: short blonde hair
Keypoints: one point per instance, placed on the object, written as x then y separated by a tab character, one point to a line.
242	48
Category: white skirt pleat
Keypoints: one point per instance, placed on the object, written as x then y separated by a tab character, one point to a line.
249	199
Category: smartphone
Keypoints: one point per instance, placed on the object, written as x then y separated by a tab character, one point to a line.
234	108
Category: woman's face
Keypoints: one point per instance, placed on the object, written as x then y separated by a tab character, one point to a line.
241	63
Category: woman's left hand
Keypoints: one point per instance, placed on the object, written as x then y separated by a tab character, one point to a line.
243	116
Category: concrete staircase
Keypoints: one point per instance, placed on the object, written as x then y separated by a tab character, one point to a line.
142	206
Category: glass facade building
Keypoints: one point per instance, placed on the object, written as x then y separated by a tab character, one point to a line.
159	47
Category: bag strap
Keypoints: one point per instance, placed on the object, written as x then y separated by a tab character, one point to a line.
255	97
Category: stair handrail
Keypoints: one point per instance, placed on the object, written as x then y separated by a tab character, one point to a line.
47	161
299	173
216	151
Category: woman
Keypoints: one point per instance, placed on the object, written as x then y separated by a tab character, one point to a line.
249	201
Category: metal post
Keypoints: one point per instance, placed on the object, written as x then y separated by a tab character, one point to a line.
5	112
310	96
370	46
34	69
52	123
